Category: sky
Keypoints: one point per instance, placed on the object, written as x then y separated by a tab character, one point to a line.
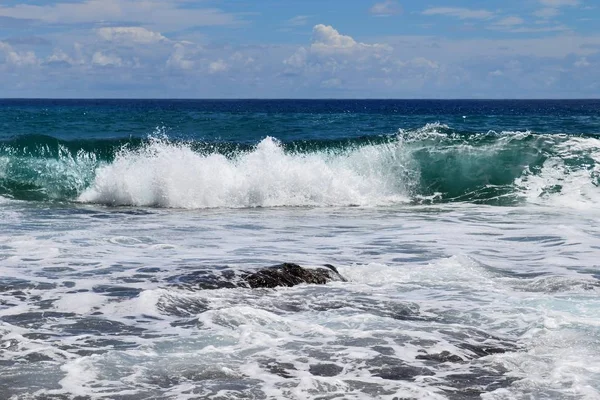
300	48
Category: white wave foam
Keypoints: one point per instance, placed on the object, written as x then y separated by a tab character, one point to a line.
168	175
570	179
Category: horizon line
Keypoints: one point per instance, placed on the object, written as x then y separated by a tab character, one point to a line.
308	98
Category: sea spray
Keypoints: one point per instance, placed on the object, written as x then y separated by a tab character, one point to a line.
173	175
427	165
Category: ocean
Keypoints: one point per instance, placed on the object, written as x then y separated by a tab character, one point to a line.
468	234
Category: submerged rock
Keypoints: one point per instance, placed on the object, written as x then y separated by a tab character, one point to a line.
282	275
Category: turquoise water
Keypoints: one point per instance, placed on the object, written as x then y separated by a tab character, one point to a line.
436	150
468	232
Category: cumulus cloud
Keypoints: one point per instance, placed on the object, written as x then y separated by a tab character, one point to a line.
326	41
60	57
461	13
298	59
217	66
17	58
338	63
385	8
133	34
178	59
104	60
582	63
327	36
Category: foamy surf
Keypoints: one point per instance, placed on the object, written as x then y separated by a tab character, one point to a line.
432	164
171	175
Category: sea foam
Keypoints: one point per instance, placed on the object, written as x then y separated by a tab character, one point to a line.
173	175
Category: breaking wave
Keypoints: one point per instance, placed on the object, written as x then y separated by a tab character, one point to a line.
429	165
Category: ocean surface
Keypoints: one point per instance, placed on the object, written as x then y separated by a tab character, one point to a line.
468	231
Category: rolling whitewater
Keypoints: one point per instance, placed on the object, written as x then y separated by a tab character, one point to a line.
296	249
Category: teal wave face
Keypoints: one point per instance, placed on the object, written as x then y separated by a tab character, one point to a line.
428	165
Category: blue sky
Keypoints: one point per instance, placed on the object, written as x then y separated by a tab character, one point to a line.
300	48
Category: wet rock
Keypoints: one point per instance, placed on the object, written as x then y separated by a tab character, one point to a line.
117	291
289	274
35	357
34	320
282	275
280	369
401	372
391	368
482	350
479	381
327	370
182	306
384	350
442	357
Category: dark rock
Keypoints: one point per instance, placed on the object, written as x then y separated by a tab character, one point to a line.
482	350
325	369
280	369
402	372
479	381
384	350
442	357
289	274
117	291
391	368
282	275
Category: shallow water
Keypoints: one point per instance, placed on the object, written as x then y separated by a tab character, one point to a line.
450	301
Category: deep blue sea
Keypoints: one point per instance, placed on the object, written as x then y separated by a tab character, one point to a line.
468	232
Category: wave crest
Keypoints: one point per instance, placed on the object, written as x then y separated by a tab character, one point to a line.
163	174
428	165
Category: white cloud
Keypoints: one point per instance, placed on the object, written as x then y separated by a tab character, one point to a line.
455	51
332	83
298	59
423	63
385	8
559	3
526	29
299	20
218	66
462	13
327	40
178	59
133	34
333	57
337	61
551	7
59	56
510	21
582	63
17	58
103	60
325	35
242	59
157	13
332	50
546	13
